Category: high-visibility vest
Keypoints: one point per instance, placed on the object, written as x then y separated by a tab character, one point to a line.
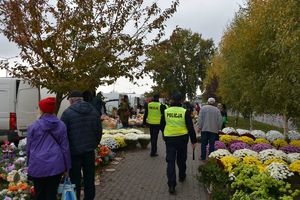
154	113
175	122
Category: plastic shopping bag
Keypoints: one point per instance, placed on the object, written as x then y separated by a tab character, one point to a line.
67	190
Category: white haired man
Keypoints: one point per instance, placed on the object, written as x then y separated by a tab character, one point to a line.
209	122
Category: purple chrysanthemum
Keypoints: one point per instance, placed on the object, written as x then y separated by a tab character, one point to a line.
235	141
238	145
220	145
290	149
261	147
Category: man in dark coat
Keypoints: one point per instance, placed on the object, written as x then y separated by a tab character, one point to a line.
84	132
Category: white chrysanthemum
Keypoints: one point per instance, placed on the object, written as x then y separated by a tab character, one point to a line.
228	130
292	157
258	134
20	160
245	152
144	136
109	142
273	135
131	136
107	135
293	135
22	144
23	174
136	131
111	131
279	171
220	153
242	131
118	135
272	153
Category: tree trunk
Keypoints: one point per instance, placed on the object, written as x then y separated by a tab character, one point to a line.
251	121
59	98
285	124
236	118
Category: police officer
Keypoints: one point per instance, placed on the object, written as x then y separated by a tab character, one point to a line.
177	126
152	116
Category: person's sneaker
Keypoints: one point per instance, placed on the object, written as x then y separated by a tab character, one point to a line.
153	155
182	179
172	189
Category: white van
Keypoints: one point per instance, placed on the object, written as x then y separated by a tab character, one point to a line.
18	107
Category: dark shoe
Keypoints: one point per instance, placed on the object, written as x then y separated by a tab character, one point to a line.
182	179
153	155
172	189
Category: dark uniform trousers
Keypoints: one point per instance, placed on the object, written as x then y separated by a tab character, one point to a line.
154	131
176	148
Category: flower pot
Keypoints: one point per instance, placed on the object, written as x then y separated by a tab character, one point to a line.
144	143
131	144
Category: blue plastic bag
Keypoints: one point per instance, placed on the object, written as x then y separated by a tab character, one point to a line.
67	190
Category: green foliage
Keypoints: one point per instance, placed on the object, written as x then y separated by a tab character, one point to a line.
74	44
179	63
240	195
258	185
260	59
215	178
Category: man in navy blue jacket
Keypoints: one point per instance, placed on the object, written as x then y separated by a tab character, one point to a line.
84	132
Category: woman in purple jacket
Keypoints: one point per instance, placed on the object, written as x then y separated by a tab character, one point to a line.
48	151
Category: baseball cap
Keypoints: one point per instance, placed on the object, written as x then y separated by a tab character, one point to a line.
75	93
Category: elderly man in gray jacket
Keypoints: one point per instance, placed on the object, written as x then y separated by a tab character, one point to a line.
209	122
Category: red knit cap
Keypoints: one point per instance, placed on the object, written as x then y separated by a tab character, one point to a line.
47	105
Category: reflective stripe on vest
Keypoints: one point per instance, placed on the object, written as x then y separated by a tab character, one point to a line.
154	113
175	122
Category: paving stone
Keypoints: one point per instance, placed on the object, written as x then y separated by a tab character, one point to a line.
141	177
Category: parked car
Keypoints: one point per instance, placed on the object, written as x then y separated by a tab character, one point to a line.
18	107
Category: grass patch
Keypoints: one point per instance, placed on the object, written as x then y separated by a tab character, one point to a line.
245	124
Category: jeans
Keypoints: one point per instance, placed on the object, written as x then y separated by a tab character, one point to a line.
46	187
86	162
154	131
176	149
207	138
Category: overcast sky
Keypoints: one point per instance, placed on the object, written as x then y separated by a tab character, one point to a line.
207	17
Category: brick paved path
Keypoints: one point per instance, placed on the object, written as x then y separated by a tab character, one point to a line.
141	177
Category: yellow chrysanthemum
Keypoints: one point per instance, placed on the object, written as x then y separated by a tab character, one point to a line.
295	166
279	143
229	162
227	138
268	162
261	168
121	141
247	140
251	160
261	140
295	143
